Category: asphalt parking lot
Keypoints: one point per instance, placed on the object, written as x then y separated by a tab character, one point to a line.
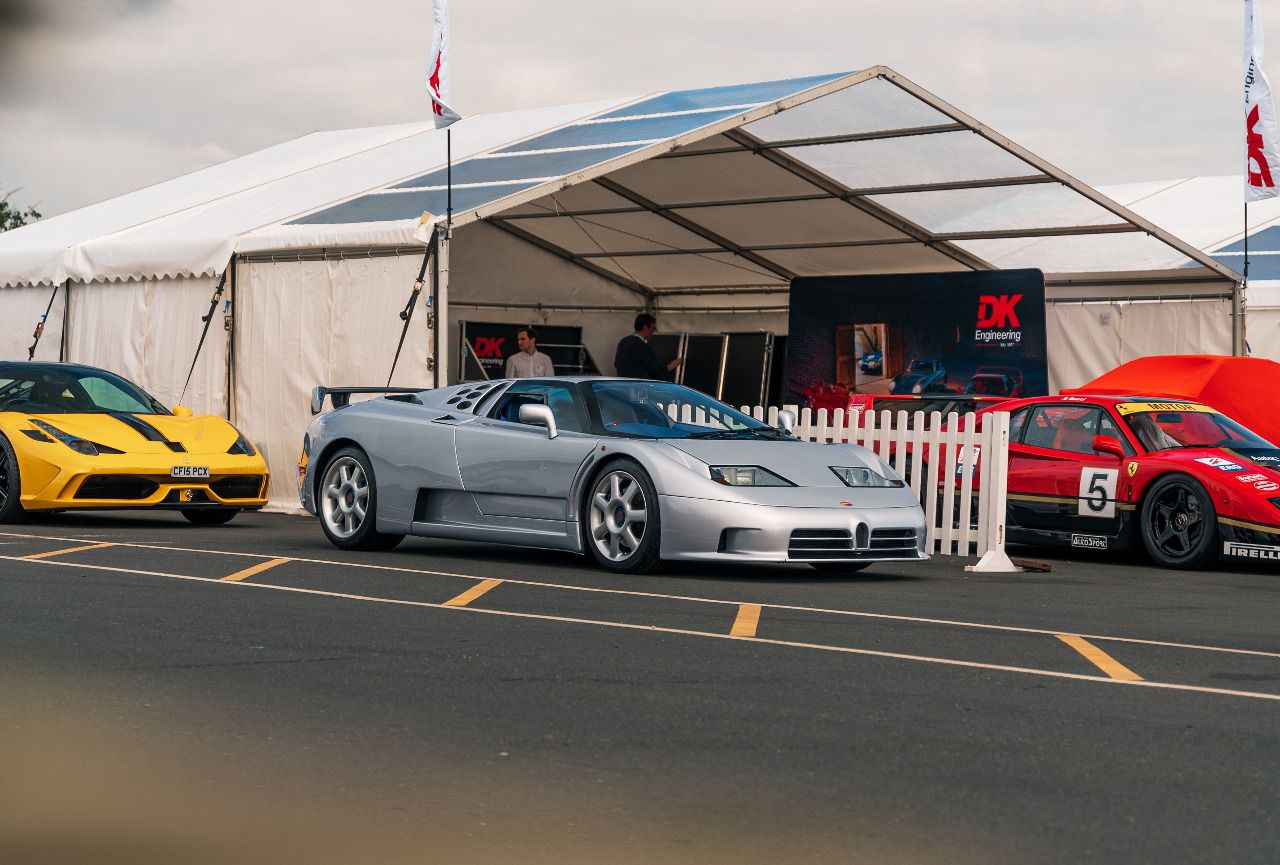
447	701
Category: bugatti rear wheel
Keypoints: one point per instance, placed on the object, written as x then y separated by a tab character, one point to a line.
620	520
10	484
348	499
1179	526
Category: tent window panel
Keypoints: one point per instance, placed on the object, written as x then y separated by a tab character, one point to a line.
1260	266
718	97
397	206
1038	205
799	222
1266	240
648	129
679	271
1083	253
517	167
872	106
614	232
937	158
891	258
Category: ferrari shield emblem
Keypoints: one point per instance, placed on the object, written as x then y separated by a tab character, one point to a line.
1133	469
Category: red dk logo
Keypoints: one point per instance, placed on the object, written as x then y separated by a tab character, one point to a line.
489	346
1262	176
998	311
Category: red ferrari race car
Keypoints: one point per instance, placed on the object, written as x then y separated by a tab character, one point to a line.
1102	472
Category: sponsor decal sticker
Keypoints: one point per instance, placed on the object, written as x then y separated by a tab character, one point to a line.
1250	478
998	320
1266	486
1092	542
1220	463
1074	399
1133	469
1251	551
1265	459
1136	407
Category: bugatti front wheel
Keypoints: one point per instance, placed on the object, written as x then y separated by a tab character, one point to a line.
348	499
10	484
620	519
1179	526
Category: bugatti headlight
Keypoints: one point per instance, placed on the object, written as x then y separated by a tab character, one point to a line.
242	446
860	476
77	444
1275	501
747	476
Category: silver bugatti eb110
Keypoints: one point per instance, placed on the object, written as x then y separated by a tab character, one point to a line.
630	472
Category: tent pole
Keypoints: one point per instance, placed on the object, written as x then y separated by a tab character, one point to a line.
442	284
1238	345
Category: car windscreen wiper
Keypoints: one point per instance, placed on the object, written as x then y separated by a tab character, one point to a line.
767	432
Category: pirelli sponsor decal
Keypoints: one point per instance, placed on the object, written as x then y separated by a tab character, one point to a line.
1251	551
1138	407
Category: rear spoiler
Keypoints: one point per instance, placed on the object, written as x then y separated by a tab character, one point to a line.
341	396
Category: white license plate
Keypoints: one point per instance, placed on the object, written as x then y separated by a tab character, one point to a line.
189	472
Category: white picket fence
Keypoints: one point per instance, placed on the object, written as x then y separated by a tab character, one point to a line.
900	439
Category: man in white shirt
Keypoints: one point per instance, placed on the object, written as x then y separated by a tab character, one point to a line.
528	362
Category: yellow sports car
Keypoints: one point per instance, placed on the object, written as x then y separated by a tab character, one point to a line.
75	437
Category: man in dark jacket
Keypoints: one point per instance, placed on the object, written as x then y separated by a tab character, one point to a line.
635	358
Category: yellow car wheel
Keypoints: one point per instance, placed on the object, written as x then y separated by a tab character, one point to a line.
10	484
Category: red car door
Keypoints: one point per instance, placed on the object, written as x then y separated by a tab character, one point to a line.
1057	483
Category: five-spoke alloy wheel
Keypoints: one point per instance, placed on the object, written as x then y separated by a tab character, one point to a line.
348	498
1179	527
10	485
621	519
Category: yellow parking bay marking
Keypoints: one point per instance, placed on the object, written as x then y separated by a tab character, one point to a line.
1099	658
684	632
256	569
472	593
53	553
861	614
747	622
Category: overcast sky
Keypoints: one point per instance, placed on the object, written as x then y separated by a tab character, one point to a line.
100	97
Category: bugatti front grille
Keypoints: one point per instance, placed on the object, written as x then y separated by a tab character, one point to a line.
893	543
240	487
821	544
818	544
116	487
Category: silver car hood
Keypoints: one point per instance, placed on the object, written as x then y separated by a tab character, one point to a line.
802	463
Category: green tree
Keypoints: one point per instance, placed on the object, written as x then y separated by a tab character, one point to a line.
13	217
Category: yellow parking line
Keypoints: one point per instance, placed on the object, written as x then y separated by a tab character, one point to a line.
472	593
256	569
1099	658
52	553
747	622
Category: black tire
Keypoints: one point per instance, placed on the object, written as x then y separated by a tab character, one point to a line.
835	568
10	484
347	501
618	491
1179	526
210	518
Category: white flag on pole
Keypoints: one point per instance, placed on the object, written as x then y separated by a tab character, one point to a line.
1262	159
438	68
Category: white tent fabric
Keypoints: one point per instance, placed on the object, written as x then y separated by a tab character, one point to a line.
189	225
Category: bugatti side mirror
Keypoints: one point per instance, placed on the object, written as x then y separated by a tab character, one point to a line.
787	420
181	411
317	400
1108	445
541	415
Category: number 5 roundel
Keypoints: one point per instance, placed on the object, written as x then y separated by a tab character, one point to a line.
1098	492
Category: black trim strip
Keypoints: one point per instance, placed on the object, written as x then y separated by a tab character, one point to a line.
146	430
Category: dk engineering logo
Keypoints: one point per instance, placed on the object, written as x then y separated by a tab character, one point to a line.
998	320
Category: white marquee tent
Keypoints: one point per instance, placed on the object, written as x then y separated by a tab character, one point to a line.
700	205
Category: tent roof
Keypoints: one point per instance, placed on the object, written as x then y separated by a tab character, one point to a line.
723	188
